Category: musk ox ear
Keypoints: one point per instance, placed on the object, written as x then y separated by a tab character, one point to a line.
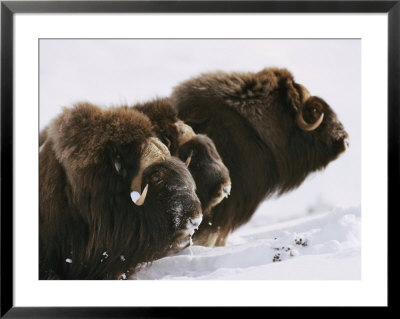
115	158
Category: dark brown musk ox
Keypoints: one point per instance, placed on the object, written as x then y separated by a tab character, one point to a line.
270	132
196	150
89	227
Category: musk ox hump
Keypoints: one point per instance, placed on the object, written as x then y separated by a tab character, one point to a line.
86	135
255	96
81	134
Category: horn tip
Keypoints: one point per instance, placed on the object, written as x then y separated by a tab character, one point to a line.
142	197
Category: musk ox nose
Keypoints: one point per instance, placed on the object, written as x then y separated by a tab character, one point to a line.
195	222
226	190
343	137
192	225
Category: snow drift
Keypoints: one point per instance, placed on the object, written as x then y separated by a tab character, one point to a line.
315	246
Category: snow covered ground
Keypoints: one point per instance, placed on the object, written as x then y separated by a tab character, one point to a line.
324	244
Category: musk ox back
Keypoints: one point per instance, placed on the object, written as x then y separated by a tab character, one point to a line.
89	163
270	132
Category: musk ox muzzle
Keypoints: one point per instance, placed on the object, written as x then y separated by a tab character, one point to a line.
172	192
208	170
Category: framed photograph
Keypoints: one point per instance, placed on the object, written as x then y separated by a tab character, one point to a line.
311	88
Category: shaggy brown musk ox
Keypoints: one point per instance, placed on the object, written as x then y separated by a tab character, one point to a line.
89	228
270	132
197	151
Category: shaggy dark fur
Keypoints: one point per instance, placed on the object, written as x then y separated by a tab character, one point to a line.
89	228
208	170
206	166
163	116
251	117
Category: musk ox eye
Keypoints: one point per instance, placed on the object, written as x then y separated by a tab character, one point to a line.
311	113
156	179
316	112
310	116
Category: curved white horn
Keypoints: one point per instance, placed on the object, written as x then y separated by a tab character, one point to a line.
301	123
153	151
142	197
306	126
189	159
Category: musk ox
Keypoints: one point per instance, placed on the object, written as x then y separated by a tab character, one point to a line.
269	130
89	227
197	151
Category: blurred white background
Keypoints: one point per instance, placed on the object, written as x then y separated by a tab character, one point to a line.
127	71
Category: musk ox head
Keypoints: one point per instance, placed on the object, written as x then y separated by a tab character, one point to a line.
174	197
89	226
207	169
269	130
197	151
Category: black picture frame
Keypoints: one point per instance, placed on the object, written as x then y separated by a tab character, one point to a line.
9	8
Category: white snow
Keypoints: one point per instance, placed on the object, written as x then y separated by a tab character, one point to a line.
322	245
